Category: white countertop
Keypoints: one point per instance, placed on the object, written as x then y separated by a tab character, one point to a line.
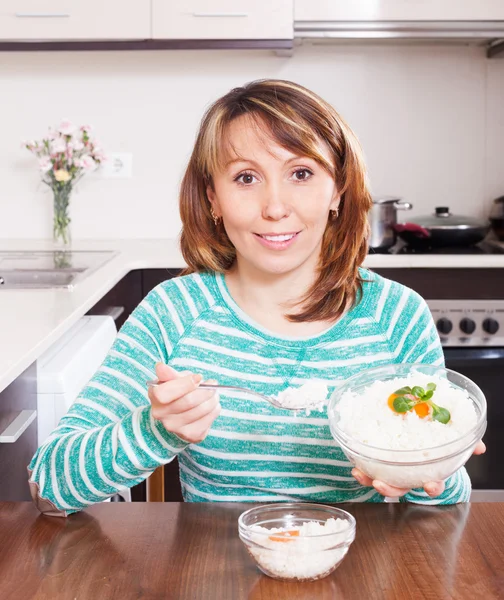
32	320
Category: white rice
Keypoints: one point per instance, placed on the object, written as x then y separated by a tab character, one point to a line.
311	395
305	556
367	418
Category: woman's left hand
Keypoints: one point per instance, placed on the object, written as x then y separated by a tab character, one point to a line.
433	489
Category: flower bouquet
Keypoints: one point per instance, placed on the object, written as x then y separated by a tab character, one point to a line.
65	156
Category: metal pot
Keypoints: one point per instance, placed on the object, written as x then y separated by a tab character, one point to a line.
382	218
497	217
443	229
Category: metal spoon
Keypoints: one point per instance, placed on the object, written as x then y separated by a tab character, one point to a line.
234	388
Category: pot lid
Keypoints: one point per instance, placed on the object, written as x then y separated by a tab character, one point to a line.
385	199
443	218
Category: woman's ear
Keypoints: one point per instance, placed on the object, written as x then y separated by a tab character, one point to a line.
214	204
335	202
210	194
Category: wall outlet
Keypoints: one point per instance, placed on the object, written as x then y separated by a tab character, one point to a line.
118	166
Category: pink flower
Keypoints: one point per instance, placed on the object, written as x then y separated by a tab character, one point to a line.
45	164
88	163
77	145
66	127
58	145
87	128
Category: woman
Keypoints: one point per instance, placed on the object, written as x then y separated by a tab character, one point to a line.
274	207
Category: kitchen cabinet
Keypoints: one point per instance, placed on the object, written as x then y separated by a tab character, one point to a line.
127	293
44	20
18	435
398	10
222	19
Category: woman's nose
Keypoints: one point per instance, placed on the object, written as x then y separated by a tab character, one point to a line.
275	205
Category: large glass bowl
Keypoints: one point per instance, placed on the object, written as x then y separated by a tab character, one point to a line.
304	558
408	468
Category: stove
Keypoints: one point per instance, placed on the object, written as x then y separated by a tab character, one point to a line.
489	247
467	306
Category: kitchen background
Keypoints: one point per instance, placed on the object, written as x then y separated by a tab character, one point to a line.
429	115
430	120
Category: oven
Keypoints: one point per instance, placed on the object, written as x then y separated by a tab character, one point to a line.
472	334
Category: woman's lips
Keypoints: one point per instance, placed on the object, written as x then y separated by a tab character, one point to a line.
277	242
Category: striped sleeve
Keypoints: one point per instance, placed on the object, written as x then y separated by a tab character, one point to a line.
108	440
413	338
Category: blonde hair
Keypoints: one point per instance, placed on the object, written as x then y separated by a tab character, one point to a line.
297	119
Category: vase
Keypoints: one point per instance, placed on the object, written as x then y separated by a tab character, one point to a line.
61	218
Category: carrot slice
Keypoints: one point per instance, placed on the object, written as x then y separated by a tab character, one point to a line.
391	399
422	409
285	536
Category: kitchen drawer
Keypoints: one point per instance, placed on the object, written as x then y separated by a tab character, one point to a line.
19	397
222	19
47	20
399	10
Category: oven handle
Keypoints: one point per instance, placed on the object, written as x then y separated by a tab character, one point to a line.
471	354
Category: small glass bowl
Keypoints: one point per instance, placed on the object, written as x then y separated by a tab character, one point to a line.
408	469
303	558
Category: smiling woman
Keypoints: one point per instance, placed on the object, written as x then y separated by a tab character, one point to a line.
274	209
274	159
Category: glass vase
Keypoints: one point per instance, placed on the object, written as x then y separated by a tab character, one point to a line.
61	218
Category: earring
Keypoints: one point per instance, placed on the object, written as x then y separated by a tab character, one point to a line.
334	214
214	216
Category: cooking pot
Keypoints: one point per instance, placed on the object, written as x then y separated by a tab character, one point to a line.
442	229
382	218
497	217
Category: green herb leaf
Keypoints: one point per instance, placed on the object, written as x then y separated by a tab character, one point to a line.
403	390
402	404
431	386
440	414
418	391
428	395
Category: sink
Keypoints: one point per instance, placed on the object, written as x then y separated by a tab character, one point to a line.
49	268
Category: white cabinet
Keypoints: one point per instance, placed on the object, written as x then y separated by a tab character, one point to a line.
74	20
399	10
222	19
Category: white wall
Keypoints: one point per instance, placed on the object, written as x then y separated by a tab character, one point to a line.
430	119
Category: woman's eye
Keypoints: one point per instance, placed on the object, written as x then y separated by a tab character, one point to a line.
245	178
302	174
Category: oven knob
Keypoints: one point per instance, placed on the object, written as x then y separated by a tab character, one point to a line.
467	326
444	326
491	326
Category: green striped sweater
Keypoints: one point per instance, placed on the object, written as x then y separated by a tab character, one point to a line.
109	440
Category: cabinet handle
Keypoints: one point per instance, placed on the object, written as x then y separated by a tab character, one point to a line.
42	15
13	431
112	311
220	14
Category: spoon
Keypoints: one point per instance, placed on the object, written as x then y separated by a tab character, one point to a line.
235	388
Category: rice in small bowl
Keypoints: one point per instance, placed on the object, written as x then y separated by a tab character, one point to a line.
297	541
411	448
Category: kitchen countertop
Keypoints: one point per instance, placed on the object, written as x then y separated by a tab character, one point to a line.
192	551
32	320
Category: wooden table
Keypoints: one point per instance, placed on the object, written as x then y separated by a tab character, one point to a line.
192	551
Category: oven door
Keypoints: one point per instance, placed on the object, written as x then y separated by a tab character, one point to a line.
485	366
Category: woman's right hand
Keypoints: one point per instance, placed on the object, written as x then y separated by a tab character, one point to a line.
181	407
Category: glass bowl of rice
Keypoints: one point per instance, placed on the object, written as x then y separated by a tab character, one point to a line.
423	433
297	541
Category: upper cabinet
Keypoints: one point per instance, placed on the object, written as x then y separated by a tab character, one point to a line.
222	19
399	10
75	20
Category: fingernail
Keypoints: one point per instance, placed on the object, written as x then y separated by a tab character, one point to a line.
197	378
158	363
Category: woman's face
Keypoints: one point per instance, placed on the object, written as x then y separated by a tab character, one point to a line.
274	205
